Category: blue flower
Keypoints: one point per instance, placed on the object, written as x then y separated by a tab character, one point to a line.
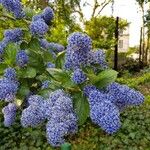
96	96
56	47
35	100
106	115
53	96
63	121
48	15
123	94
22	58
32	116
98	57
88	89
9	112
79	41
10	74
13	6
36	17
78	76
3	44
8	90
50	65
39	27
44	43
45	84
13	35
55	133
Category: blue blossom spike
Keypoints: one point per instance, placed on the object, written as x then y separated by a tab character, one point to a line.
55	95
55	133
99	58
36	17
22	58
13	35
96	96
48	15
78	76
8	90
64	103
33	116
45	84
9	112
35	100
39	27
88	89
44	43
106	115
13	6
56	47
123	94
3	44
80	41
50	65
10	74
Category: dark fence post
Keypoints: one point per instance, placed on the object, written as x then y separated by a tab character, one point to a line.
116	45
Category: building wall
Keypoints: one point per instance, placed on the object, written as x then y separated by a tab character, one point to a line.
123	43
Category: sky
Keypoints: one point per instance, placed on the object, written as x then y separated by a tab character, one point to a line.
126	9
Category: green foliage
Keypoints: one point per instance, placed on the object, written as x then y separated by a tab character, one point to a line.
102	29
81	107
104	78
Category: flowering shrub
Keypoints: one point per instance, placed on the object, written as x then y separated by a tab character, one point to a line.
59	87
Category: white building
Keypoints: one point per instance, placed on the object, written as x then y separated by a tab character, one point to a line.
123	42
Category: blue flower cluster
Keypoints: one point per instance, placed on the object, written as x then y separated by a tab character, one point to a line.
57	109
47	15
8	85
45	84
125	95
63	120
50	65
3	44
53	47
13	6
105	105
78	76
10	74
40	22
13	35
79	53
9	112
22	58
38	27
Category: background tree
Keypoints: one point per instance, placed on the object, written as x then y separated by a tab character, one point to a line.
101	30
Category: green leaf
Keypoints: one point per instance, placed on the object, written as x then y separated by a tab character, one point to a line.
2	68
34	44
47	56
29	12
23	45
27	72
36	61
104	78
62	77
81	106
10	54
60	59
23	91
